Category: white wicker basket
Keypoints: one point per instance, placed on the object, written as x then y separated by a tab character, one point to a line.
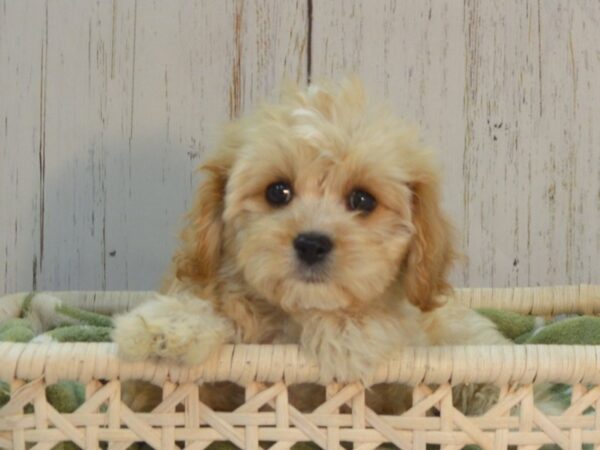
266	371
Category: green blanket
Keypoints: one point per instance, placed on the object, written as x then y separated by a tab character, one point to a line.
44	318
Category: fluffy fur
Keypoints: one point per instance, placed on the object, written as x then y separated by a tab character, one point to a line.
236	277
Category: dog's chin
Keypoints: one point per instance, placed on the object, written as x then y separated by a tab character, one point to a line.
318	275
299	291
312	292
311	278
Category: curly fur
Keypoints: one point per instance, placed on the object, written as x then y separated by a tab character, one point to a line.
381	286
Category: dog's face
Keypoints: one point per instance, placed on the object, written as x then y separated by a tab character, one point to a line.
320	202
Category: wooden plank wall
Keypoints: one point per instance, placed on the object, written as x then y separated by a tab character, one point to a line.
106	108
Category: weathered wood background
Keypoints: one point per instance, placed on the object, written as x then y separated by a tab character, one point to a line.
106	108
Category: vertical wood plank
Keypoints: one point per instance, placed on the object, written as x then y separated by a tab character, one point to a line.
86	121
570	68
501	150
532	149
23	52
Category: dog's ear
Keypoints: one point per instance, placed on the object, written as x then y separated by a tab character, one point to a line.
431	253
199	256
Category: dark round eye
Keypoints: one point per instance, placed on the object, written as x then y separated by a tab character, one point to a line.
361	201
279	194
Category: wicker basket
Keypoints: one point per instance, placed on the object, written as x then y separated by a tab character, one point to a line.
266	371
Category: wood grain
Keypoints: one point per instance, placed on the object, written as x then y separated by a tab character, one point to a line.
107	107
506	92
106	110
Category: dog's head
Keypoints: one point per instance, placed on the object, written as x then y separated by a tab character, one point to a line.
320	202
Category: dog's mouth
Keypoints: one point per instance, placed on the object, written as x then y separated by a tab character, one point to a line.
312	275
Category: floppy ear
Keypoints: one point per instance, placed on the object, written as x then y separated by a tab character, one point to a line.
431	253
198	258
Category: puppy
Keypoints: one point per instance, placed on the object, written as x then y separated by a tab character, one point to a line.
318	223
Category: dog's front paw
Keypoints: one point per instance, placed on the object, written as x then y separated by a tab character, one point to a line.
183	332
346	351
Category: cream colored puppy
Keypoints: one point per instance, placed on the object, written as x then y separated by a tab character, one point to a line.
318	223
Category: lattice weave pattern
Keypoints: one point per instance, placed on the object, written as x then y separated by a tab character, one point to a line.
268	420
266	416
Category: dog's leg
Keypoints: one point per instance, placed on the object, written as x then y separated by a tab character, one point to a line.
182	329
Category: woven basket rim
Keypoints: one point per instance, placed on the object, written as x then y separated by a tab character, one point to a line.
244	364
270	363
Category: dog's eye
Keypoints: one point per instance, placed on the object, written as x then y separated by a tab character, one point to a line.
279	193
361	201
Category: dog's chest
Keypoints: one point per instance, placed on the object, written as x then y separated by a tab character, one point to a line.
258	322
273	329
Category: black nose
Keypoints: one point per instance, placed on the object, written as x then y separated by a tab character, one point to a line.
312	247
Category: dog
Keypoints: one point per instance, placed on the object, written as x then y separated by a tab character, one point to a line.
318	223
